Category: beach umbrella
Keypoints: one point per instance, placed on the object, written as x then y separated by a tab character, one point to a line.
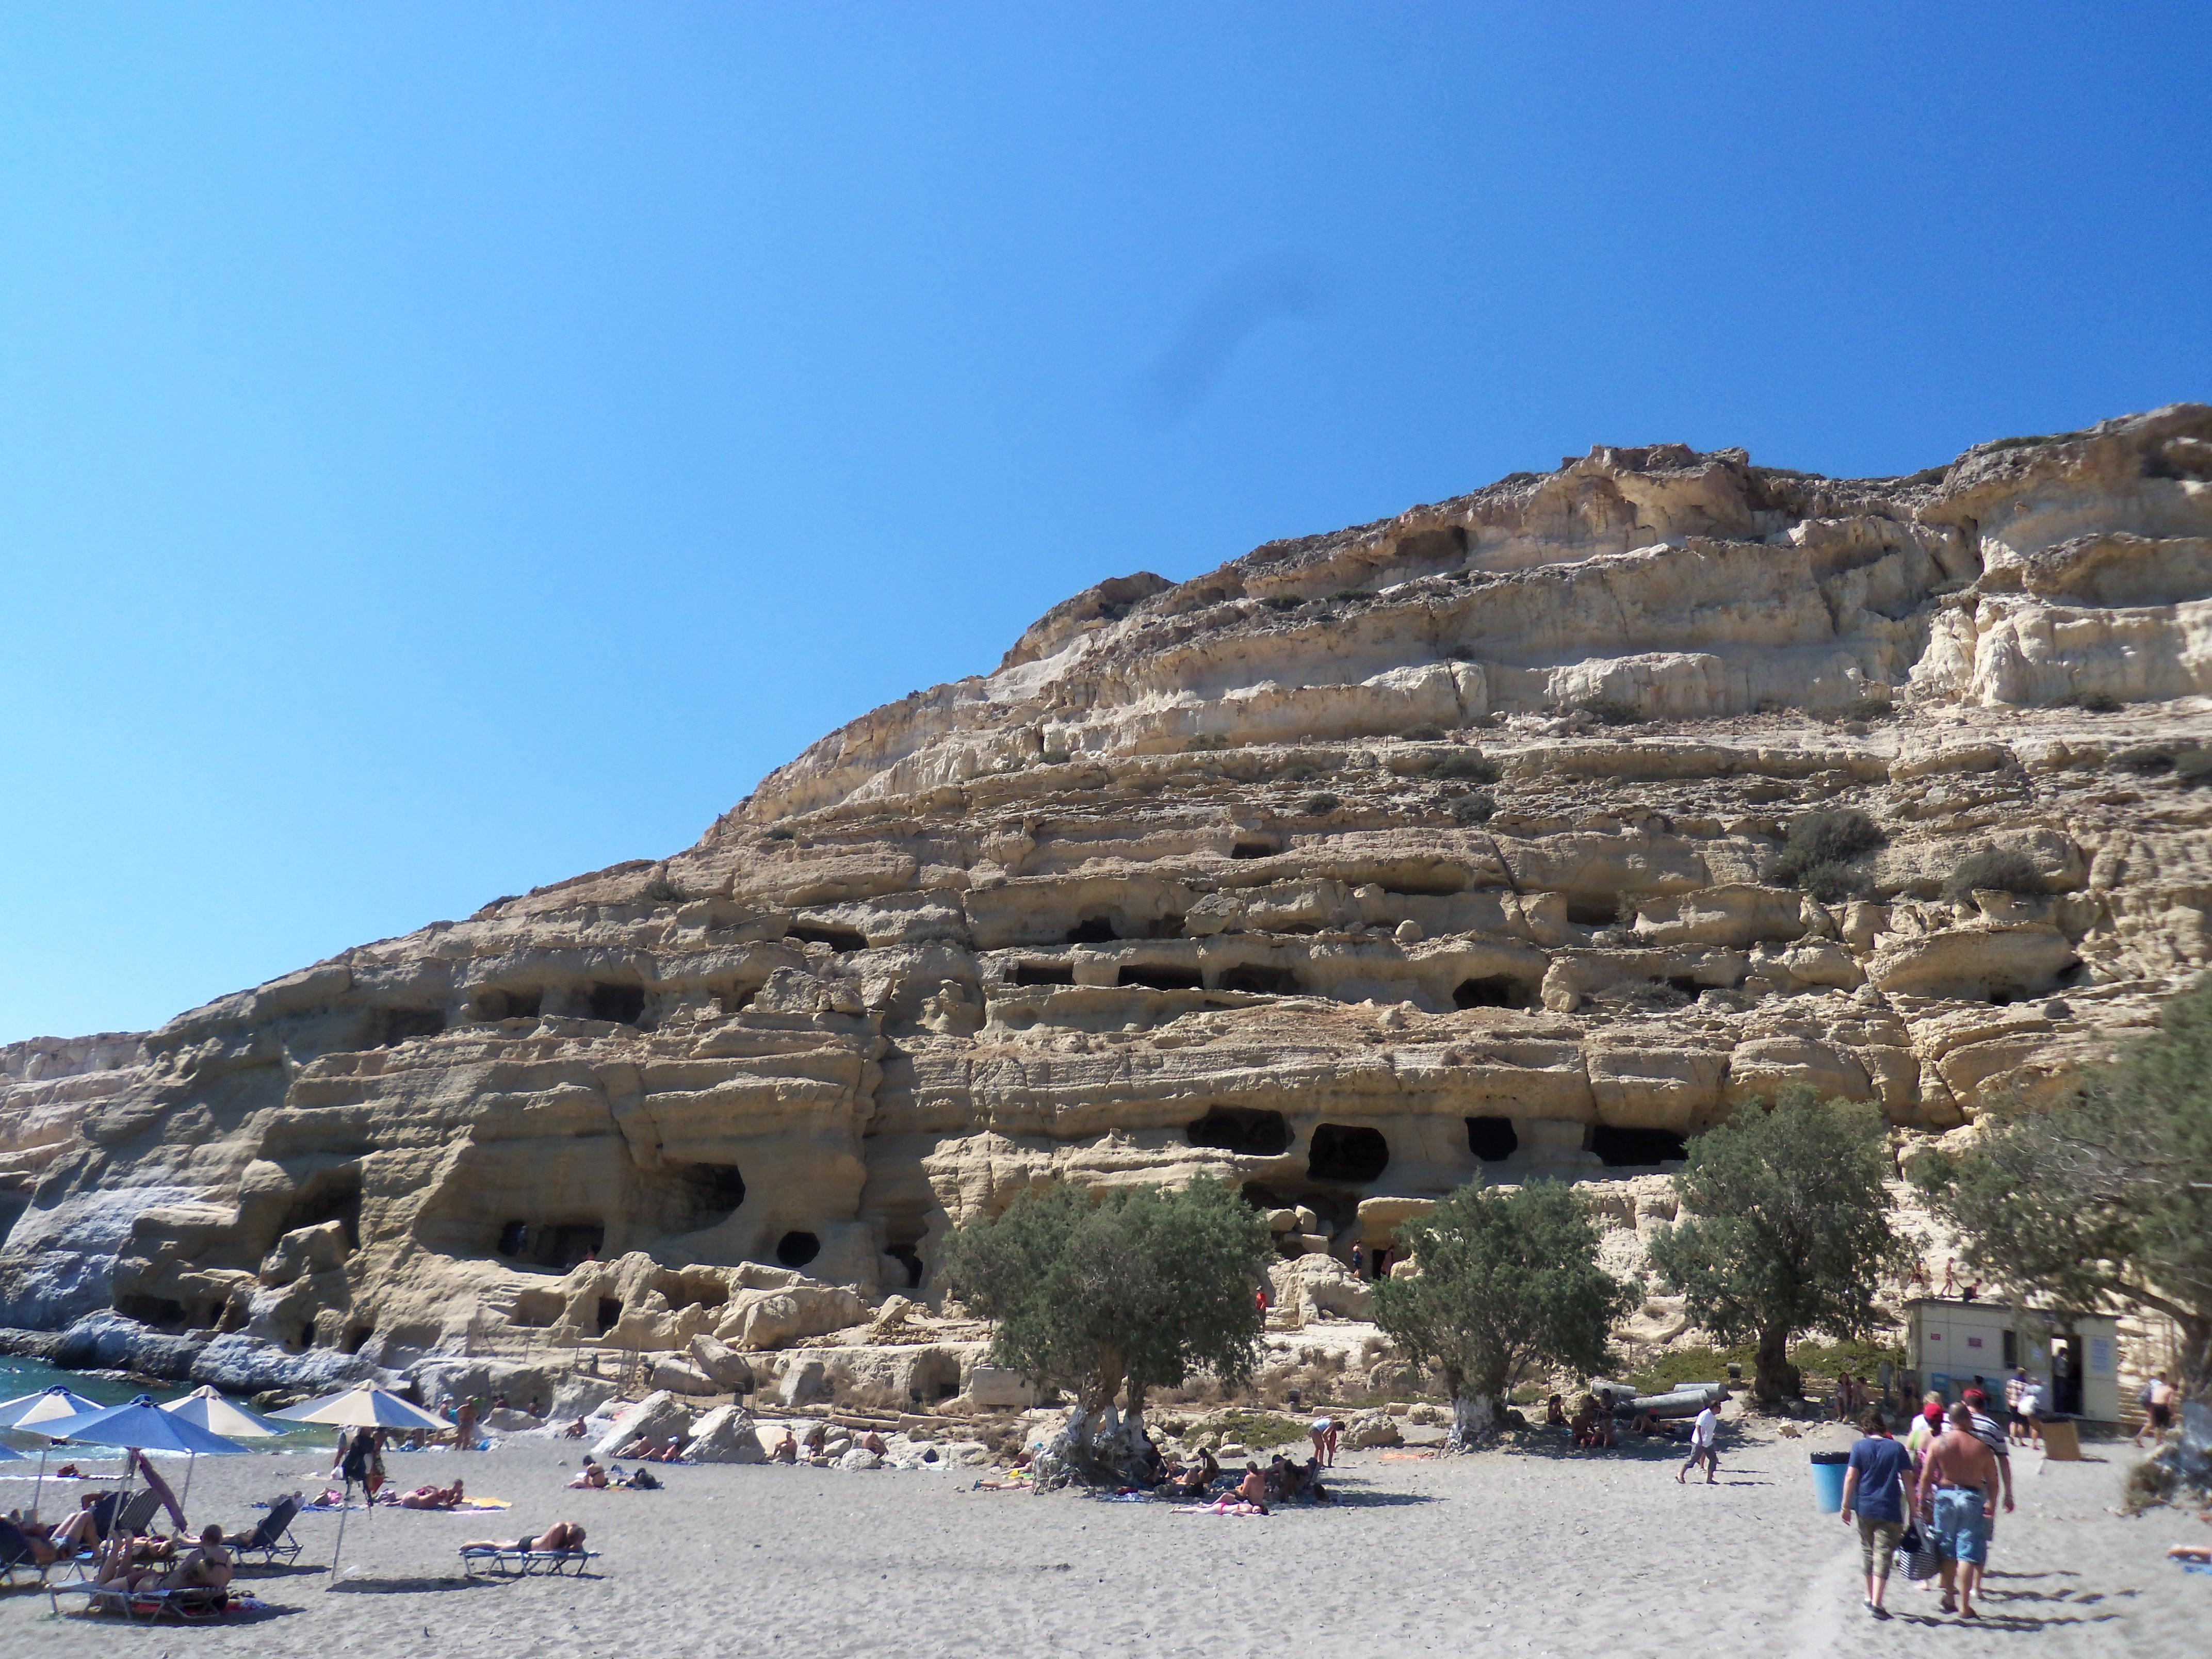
138	1426
208	1406
28	1411
364	1406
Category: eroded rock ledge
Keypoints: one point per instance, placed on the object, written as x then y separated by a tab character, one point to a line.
1360	863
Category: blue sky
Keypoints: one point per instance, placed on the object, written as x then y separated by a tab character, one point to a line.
445	449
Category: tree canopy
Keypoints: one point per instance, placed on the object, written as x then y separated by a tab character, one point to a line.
1509	1280
1789	1227
2105	1199
1136	1286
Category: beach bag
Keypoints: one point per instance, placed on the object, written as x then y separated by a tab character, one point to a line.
1915	1553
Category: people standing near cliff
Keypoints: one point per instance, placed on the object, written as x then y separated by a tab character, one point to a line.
1957	1498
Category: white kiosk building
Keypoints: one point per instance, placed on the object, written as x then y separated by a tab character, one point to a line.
1949	1343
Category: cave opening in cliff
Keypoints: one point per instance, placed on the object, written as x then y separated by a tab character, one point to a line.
609	1314
1043	973
510	1002
391	1025
935	1377
558	1245
1593	913
1492	990
1254	849
330	1195
1243	1129
161	1312
1492	1139
837	938
796	1248
357	1339
1258	980
1347	1152
708	1194
1154	977
1093	930
1622	1149
1442	884
621	1005
902	1236
1684	985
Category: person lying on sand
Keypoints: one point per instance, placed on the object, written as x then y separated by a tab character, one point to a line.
591	1476
209	1566
559	1539
431	1498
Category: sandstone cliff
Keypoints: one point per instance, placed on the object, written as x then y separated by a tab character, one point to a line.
1366	862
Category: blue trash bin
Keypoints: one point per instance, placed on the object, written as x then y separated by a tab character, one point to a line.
1828	1469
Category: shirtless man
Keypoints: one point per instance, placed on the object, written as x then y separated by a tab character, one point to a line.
432	1498
560	1538
1253	1489
1956	1498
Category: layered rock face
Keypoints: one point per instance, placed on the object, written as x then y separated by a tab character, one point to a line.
1361	865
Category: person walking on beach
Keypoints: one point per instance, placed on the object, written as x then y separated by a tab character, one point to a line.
1956	1497
1704	1433
1986	1432
2157	1402
1874	1487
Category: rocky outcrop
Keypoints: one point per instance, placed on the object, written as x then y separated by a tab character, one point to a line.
1365	863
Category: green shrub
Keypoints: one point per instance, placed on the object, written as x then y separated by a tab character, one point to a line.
1422	734
1206	744
1466	768
2091	702
1297	772
781	834
1477	808
1819	854
1258	1429
2001	869
1282	602
2192	767
1322	805
1611	711
2142	762
1868	709
661	890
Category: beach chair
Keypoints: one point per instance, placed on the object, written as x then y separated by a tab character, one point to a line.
269	1538
197	1605
16	1556
138	1514
523	1564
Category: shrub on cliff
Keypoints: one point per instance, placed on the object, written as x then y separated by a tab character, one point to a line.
1993	869
1133	1288
2107	1198
1821	852
1508	1282
1788	1228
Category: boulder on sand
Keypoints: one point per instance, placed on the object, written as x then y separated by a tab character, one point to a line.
1372	1429
680	1376
657	1416
722	1363
727	1434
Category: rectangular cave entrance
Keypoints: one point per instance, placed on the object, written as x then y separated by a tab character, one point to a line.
329	1195
1353	1154
510	1003
1243	1129
1492	1139
837	938
1043	973
1257	979
390	1025
554	1245
621	1005
1630	1149
1156	978
1493	991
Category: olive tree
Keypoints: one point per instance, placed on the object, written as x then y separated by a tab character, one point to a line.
1109	1293
1508	1280
2105	1199
1788	1230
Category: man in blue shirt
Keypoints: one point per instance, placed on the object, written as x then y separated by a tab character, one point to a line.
1874	1487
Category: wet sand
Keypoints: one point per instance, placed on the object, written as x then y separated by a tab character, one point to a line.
1533	1552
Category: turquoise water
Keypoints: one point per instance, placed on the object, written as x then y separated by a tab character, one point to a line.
22	1375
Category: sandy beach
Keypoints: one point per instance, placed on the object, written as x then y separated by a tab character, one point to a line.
1522	1551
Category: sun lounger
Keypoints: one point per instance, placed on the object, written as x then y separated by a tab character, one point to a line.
138	1514
16	1556
522	1563
270	1537
196	1605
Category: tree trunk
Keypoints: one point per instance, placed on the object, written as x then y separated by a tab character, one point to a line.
1776	1379
1098	1442
1474	1420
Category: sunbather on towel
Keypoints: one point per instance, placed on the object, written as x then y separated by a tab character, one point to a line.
432	1498
206	1567
562	1537
591	1477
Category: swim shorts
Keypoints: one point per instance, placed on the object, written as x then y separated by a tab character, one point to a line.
1962	1529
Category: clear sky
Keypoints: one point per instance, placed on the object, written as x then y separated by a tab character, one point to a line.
448	448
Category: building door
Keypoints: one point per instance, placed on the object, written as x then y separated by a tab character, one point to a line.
2066	1375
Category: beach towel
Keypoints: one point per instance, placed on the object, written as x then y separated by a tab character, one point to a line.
1220	1506
160	1488
484	1504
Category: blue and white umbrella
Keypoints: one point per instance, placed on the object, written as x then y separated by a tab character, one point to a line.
141	1425
28	1411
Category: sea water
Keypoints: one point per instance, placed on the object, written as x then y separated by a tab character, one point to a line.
21	1375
